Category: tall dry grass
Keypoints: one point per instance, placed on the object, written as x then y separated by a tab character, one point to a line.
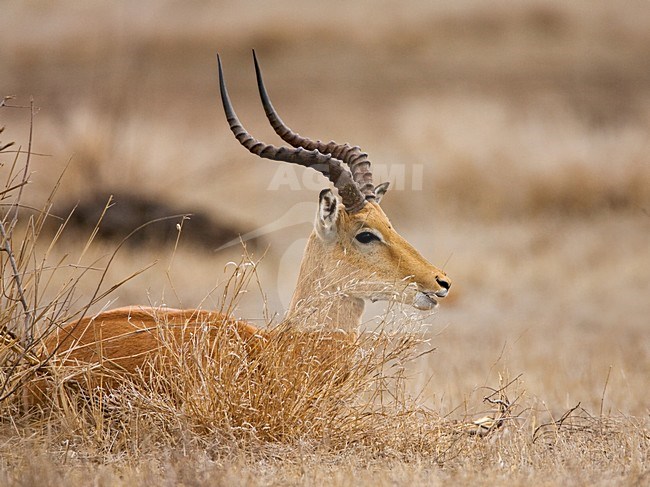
304	406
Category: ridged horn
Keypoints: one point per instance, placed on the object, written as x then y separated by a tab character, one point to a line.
327	164
355	159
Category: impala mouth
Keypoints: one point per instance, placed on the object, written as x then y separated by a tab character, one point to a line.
442	293
425	300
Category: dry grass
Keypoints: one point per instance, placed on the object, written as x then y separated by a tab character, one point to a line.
530	122
304	406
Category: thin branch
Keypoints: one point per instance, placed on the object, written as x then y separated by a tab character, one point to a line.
6	247
557	424
3	102
29	153
11	188
11	341
602	397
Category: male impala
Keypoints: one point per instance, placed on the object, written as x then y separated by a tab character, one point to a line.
353	254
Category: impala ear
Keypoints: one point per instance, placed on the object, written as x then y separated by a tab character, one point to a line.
380	191
328	211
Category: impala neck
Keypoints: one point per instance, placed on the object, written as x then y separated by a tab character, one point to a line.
316	302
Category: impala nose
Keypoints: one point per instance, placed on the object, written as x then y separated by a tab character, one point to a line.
444	283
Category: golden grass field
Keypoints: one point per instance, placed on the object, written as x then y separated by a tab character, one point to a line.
529	123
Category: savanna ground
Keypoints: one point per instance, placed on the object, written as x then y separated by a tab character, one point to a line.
529	124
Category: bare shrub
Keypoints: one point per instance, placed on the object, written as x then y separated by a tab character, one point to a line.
37	294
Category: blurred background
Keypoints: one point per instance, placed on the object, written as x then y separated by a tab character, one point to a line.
516	136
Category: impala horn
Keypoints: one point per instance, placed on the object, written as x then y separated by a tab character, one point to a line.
354	185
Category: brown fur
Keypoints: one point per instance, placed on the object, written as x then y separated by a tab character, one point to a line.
125	340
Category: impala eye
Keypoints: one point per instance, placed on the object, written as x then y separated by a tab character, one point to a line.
366	237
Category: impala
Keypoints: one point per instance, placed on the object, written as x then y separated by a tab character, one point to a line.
352	242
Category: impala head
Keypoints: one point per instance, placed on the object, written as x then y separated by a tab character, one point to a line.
364	245
352	237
